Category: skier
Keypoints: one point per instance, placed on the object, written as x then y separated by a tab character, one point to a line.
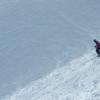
97	46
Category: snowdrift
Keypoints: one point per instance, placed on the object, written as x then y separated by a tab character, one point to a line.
77	80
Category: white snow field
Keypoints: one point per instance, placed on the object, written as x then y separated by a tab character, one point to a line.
77	80
44	47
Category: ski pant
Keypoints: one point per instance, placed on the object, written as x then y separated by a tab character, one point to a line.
98	51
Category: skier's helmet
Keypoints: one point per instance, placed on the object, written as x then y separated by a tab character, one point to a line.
95	40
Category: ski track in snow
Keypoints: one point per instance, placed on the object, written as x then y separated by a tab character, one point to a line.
77	80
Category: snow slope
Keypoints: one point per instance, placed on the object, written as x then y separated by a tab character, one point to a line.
36	36
77	80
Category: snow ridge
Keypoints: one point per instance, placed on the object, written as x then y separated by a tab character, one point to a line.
77	80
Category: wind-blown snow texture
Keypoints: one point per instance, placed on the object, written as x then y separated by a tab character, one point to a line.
78	80
37	36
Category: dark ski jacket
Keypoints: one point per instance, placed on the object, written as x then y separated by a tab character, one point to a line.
97	46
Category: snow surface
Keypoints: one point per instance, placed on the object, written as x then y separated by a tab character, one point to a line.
77	80
39	36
